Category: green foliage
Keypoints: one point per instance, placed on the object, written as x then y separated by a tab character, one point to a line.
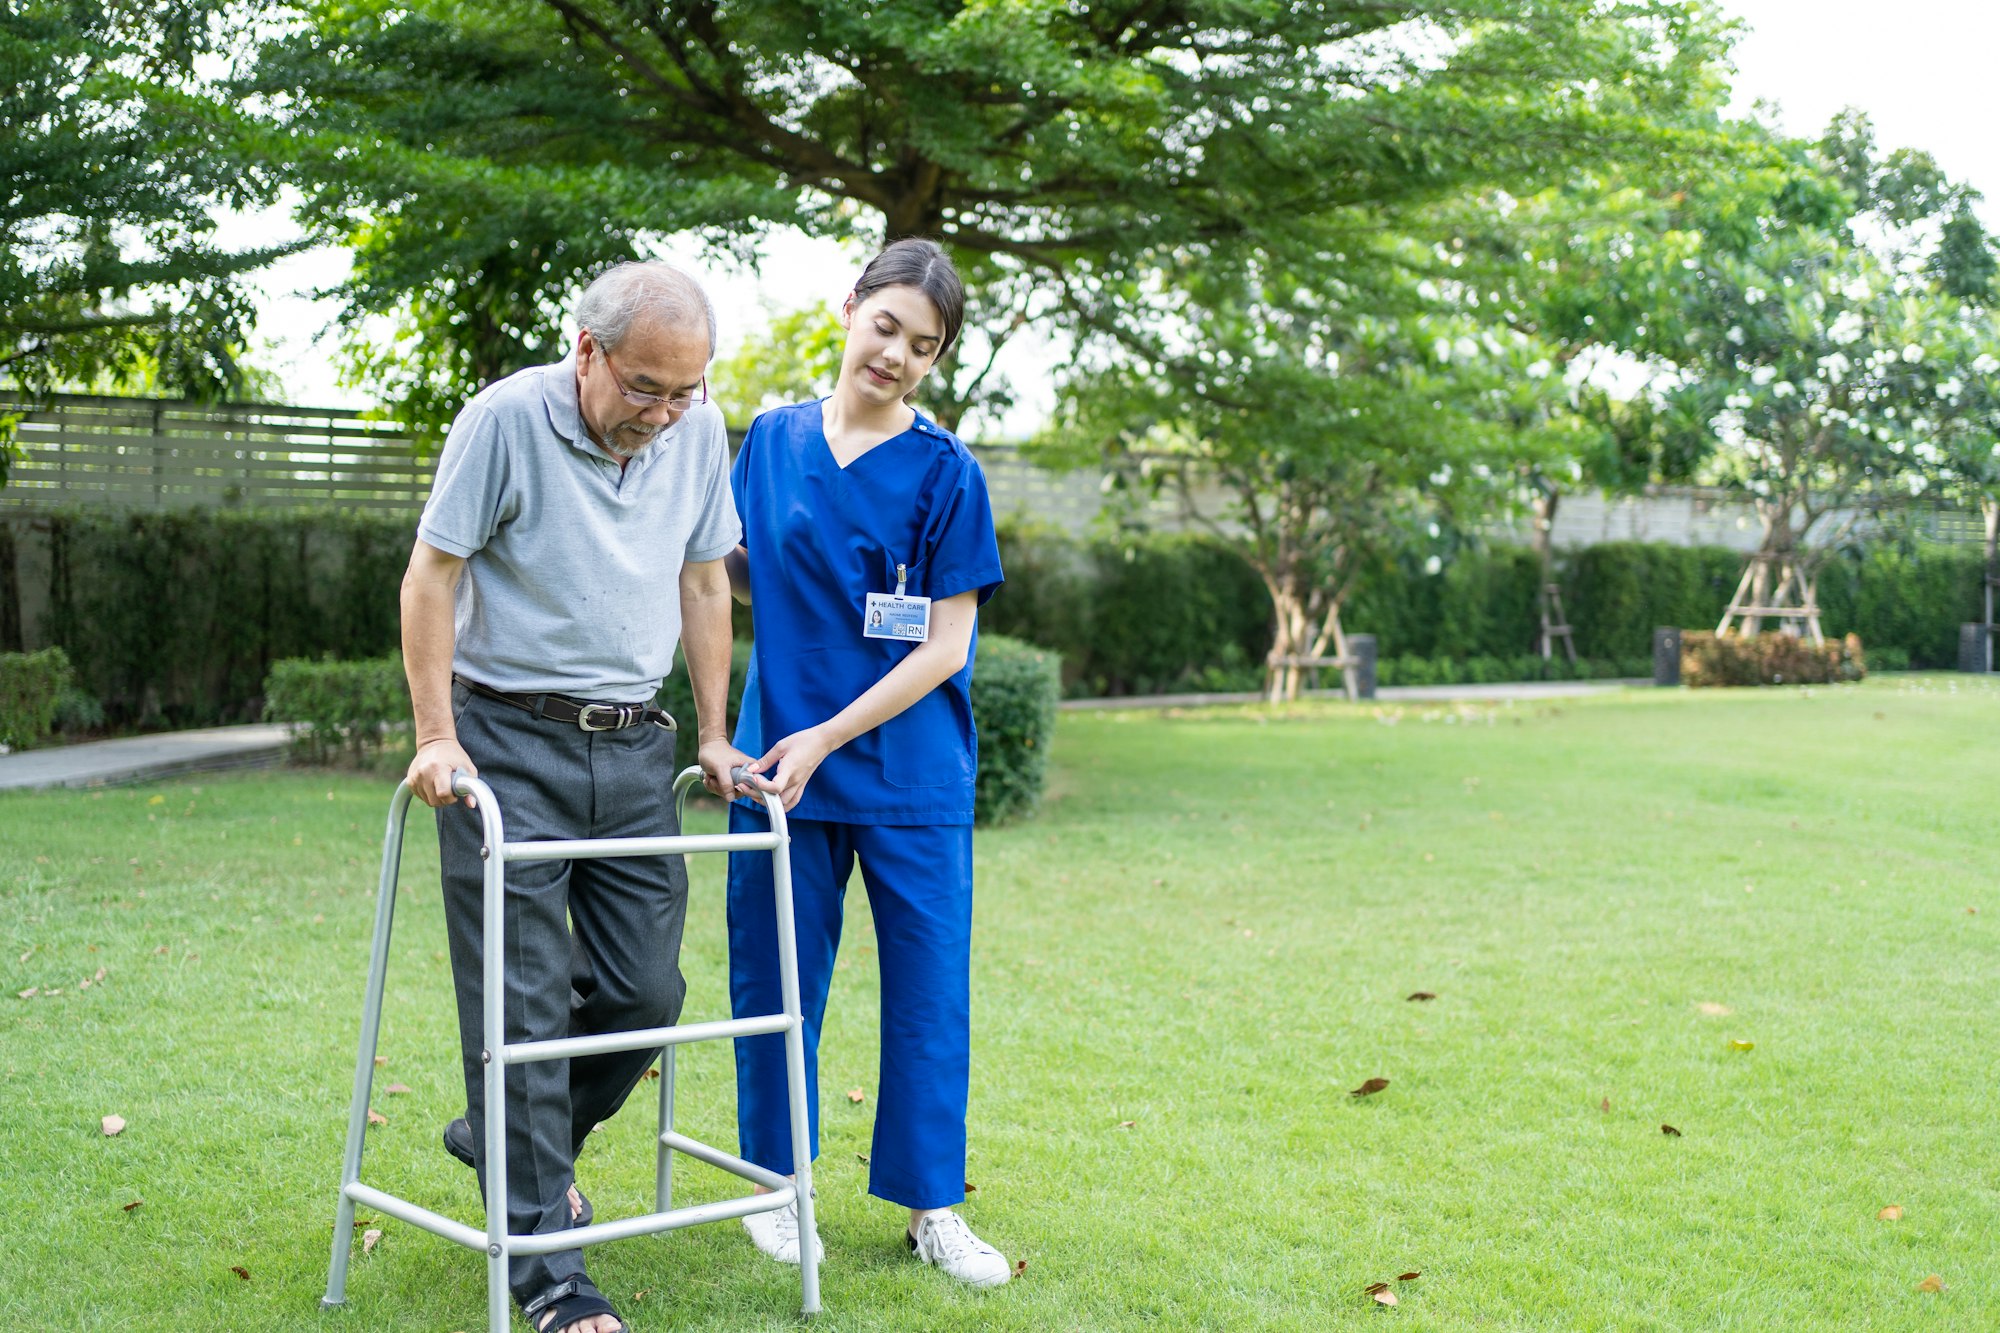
797	358
107	265
1089	143
1184	613
1618	593
339	709
176	618
31	689
1489	669
1767	659
677	697
1015	689
1137	614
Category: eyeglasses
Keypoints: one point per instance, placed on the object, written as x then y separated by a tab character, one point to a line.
679	402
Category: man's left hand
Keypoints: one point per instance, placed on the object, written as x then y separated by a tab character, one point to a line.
717	758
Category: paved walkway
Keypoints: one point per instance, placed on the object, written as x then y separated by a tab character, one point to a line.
144	758
1387	694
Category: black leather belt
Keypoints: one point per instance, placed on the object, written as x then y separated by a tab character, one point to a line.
587	716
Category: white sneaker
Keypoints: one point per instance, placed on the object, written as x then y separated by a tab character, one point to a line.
945	1240
777	1234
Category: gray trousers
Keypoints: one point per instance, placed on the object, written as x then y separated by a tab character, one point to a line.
591	946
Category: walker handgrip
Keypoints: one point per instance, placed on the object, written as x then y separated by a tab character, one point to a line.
461	782
742	776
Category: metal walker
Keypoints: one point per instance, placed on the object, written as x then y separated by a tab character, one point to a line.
498	1245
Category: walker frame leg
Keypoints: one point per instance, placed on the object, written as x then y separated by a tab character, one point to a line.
364	1059
663	1173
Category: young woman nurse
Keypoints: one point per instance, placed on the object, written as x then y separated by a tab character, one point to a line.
868	547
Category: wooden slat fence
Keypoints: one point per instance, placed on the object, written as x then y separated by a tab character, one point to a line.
140	453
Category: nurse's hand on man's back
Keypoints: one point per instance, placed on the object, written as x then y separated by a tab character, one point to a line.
797	757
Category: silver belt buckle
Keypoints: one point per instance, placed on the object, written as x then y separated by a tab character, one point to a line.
617	717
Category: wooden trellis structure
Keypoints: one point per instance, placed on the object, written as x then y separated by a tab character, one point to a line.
1794	599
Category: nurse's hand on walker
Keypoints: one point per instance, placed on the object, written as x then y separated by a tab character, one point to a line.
798	756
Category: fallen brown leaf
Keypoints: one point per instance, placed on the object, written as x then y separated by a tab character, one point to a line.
862	1158
130	1206
1020	1267
1374	1287
1421	995
1410	1276
856	1095
1370	1088
381	1061
1605	1106
240	1271
370	1238
27	994
1931	1283
396	1089
1384	1298
1714	1010
98	975
1893	1213
1669	1129
971	1188
651	1073
1127	1124
113	1124
375	1117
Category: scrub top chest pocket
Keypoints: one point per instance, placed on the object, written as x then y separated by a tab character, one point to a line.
897	615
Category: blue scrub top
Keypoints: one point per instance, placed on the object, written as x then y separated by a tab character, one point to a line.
821	538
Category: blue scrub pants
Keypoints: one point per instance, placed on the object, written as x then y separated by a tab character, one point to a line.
919	881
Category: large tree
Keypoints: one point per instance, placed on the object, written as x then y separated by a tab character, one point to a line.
108	267
1059	148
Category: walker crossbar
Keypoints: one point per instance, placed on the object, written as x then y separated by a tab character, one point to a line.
495	1240
592	849
567	1048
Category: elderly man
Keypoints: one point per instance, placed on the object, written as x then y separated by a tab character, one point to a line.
575	531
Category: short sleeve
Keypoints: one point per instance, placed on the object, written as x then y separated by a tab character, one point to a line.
964	551
717	529
464	509
739	479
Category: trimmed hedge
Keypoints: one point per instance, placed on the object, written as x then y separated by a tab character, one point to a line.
1487	670
1015	688
345	710
1768	659
31	687
339	709
177	618
1144	631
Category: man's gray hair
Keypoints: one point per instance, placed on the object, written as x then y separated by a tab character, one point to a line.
623	293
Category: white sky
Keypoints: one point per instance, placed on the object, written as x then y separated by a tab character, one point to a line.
1923	69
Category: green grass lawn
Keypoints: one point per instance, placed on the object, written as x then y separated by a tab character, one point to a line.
1182	966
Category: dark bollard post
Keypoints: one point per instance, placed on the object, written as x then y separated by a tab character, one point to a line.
1362	648
1666	656
1972	647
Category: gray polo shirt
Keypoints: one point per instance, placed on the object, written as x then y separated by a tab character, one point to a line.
572	572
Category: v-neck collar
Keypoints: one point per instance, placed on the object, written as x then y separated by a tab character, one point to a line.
920	425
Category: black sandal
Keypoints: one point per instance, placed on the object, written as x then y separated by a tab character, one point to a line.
458	1142
566	1303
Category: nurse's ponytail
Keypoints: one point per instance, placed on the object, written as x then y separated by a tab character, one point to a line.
918	262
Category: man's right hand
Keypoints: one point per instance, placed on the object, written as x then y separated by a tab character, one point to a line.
430	772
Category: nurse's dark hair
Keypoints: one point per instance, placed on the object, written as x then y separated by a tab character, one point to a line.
917	261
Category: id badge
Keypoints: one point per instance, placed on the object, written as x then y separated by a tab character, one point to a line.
891	616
